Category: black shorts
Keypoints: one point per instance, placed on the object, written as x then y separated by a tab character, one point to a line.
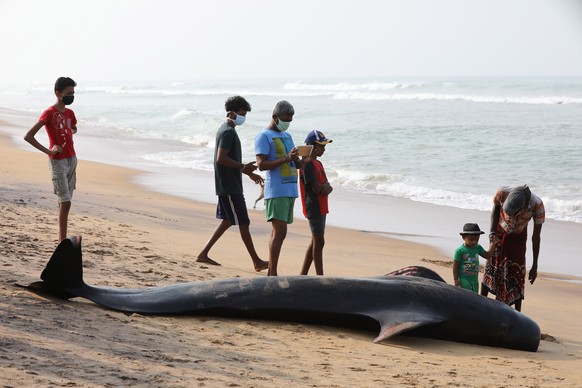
233	208
317	225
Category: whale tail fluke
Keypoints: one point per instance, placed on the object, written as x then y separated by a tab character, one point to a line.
65	267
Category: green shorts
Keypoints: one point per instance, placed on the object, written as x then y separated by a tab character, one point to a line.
470	283
280	208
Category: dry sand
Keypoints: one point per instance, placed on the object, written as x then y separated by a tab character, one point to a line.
136	238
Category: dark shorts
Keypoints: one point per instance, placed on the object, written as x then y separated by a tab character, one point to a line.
317	225
233	208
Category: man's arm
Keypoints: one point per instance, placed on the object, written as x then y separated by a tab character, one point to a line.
30	138
495	214
223	159
264	163
535	242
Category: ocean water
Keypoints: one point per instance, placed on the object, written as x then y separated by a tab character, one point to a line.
444	141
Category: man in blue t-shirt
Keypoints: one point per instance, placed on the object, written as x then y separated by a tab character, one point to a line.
276	153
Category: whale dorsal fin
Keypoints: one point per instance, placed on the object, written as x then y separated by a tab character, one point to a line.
65	267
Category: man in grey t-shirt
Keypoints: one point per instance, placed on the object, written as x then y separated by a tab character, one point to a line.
228	170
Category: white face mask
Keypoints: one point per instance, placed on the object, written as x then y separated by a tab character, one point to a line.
283	126
239	119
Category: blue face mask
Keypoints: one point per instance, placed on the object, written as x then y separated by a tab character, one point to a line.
239	119
283	126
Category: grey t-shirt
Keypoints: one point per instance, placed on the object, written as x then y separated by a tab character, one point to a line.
228	180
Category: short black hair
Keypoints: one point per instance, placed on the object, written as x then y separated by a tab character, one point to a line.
63	83
236	103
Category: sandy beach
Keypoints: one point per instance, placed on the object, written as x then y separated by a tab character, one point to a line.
133	237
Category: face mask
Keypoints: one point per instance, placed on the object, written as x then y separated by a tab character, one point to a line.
282	126
239	120
68	100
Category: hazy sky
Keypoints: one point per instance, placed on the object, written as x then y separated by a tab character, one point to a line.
116	40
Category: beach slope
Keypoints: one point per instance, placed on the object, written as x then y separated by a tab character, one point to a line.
136	238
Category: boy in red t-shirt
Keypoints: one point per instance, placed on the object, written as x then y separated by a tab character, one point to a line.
60	123
314	189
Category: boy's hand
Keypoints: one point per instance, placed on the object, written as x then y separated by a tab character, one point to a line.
294	154
493	238
249	168
326	188
257	179
55	149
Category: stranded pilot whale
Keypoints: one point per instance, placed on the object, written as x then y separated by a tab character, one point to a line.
396	304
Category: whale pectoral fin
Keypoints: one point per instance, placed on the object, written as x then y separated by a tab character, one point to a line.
390	329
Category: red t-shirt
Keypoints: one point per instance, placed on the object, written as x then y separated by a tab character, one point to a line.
59	128
313	204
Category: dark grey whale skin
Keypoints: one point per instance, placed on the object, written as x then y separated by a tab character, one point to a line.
394	304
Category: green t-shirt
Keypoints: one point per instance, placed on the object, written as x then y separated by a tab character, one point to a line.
469	260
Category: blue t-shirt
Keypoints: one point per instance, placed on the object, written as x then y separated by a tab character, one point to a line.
280	181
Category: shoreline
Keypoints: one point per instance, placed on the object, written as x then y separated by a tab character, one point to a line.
134	238
124	188
431	225
424	222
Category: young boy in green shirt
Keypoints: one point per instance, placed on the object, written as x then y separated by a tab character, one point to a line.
466	258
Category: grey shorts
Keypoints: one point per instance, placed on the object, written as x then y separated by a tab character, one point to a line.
64	176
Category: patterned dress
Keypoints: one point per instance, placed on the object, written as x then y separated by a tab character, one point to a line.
505	270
